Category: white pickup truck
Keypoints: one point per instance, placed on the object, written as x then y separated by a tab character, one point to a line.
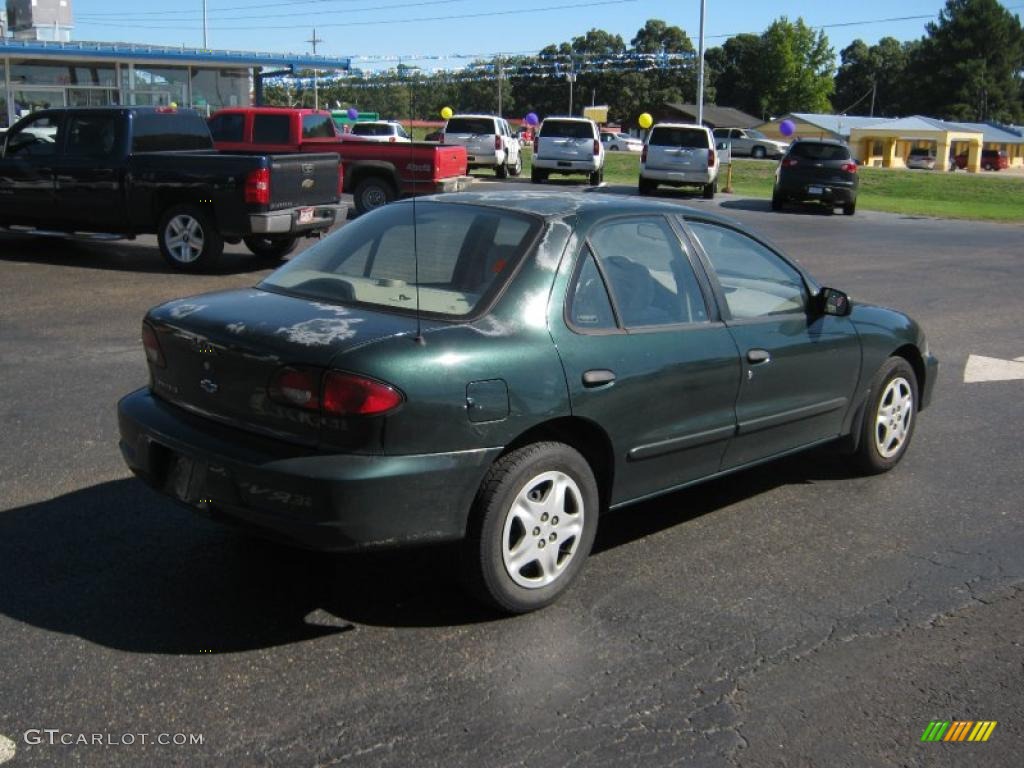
489	143
679	155
568	145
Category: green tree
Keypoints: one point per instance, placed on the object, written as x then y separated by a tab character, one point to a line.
874	79
658	37
734	71
796	68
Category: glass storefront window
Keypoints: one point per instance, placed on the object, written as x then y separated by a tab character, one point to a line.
31	72
4	117
27	100
160	85
216	88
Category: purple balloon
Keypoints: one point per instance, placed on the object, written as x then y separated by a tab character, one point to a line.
532	119
787	127
353	113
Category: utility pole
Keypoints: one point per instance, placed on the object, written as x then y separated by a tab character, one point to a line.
316	75
874	90
205	44
571	77
700	67
500	74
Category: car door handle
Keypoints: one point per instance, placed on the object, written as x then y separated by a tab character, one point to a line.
758	356
598	378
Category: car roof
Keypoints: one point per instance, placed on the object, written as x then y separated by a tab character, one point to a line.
680	125
552	204
816	140
471	114
568	119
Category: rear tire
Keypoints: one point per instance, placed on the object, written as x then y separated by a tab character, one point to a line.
271	248
647	187
889	417
188	238
777	201
517	169
710	189
532	500
758	153
850	208
538	175
501	171
372	192
595	178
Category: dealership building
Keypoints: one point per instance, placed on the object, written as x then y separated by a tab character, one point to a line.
41	67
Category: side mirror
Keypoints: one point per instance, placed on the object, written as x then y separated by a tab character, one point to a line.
834	302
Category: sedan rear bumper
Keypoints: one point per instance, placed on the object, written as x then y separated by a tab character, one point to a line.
833	192
336	502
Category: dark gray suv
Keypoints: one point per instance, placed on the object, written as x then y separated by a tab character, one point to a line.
817	170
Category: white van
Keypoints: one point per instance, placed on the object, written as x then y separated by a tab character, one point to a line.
489	143
679	155
568	145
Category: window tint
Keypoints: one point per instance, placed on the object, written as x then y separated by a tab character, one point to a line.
317	127
755	280
229	127
815	151
169	131
466	253
735	134
648	272
566	129
663	136
590	308
91	136
271	129
475	125
38	138
372	129
721	133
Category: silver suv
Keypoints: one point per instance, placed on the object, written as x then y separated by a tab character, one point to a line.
568	145
679	155
489	143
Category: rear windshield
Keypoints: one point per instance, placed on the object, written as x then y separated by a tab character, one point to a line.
169	131
372	129
466	254
814	151
920	151
474	125
679	137
228	127
566	129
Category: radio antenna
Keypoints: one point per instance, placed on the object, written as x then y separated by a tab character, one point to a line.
415	233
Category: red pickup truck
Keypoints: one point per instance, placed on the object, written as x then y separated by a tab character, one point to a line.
374	173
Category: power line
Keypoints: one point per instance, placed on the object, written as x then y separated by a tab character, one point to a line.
141	15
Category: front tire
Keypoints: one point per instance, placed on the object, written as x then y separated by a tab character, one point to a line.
889	417
758	153
270	248
533	525
372	192
188	238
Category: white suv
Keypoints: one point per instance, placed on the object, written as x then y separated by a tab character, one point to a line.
568	145
380	130
489	143
679	155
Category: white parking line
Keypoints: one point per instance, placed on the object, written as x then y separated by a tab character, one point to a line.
7	750
992	369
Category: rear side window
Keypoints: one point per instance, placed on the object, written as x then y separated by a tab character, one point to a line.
466	254
271	129
229	127
566	129
317	127
663	136
91	136
474	125
814	151
169	131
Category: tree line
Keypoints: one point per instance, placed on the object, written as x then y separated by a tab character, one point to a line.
968	65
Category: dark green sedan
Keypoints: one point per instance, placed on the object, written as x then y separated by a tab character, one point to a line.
499	369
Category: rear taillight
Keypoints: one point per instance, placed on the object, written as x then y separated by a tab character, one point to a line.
711	158
332	393
597	147
643	155
346	394
151	344
497	142
341	179
257	187
297	387
789	162
849	167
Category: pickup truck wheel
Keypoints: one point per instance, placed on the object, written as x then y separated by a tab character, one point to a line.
517	169
372	193
758	153
271	248
188	238
532	527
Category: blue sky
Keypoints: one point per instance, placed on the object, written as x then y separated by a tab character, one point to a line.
382	28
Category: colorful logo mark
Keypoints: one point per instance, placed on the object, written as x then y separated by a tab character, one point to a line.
959	730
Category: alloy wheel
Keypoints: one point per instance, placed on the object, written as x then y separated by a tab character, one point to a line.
184	238
892	421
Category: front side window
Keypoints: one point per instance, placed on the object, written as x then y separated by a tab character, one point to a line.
648	273
459	255
756	281
39	137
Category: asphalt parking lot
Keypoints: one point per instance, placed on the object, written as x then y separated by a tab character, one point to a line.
793	615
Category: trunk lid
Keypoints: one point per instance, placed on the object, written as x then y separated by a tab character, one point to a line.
303	180
222	350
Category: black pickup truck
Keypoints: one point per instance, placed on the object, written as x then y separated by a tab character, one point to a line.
144	170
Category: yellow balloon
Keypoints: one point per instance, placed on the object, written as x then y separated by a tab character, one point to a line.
646	121
446	113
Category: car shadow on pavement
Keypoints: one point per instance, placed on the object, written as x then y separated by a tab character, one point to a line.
765	206
121	566
119	255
